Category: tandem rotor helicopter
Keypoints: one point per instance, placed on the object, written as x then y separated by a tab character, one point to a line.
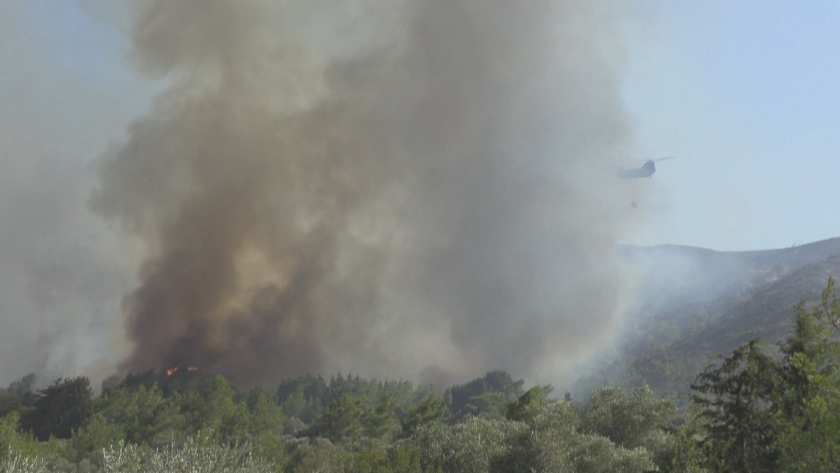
646	170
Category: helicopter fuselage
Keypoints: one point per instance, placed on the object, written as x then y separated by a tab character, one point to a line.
646	170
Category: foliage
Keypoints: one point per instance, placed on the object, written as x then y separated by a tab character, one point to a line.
96	434
808	411
17	395
529	404
689	453
341	420
541	436
548	441
17	462
305	397
489	405
271	449
755	410
139	426
13	442
759	413
474	446
381	422
144	415
406	457
197	454
318	455
267	419
215	409
59	409
369	460
430	411
302	397
733	396
484	395
633	419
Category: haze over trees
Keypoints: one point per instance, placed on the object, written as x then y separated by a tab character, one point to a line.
760	408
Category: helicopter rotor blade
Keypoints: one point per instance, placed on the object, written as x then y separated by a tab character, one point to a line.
663	159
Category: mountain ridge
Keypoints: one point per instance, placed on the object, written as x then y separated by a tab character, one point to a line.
694	303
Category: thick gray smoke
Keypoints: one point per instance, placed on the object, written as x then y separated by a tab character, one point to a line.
419	189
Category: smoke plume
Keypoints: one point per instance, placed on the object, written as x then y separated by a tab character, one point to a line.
416	189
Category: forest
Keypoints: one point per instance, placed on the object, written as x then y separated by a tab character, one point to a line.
759	408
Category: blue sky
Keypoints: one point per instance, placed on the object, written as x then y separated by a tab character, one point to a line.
746	95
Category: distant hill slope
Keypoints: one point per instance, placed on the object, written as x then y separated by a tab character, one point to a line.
695	303
676	275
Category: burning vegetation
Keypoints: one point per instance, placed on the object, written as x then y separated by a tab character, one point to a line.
172	371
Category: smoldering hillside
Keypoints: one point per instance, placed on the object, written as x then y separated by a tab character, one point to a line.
692	304
417	189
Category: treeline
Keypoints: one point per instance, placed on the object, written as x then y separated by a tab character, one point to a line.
764	408
759	409
345	423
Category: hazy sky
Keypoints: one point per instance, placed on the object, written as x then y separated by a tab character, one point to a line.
743	93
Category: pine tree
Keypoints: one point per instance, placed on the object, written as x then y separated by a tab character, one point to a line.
429	411
734	397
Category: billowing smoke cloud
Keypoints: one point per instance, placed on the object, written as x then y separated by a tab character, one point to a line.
418	189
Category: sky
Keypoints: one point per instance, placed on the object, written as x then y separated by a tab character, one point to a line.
742	93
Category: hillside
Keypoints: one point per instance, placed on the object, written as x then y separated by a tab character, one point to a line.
695	303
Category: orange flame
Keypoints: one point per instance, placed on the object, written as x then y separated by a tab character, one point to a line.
192	368
171	371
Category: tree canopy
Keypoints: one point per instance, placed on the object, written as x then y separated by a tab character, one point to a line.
758	409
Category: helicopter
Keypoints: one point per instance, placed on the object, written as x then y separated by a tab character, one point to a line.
646	170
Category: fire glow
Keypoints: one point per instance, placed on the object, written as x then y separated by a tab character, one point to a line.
172	371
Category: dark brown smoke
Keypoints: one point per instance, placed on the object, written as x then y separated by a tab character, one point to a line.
418	189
